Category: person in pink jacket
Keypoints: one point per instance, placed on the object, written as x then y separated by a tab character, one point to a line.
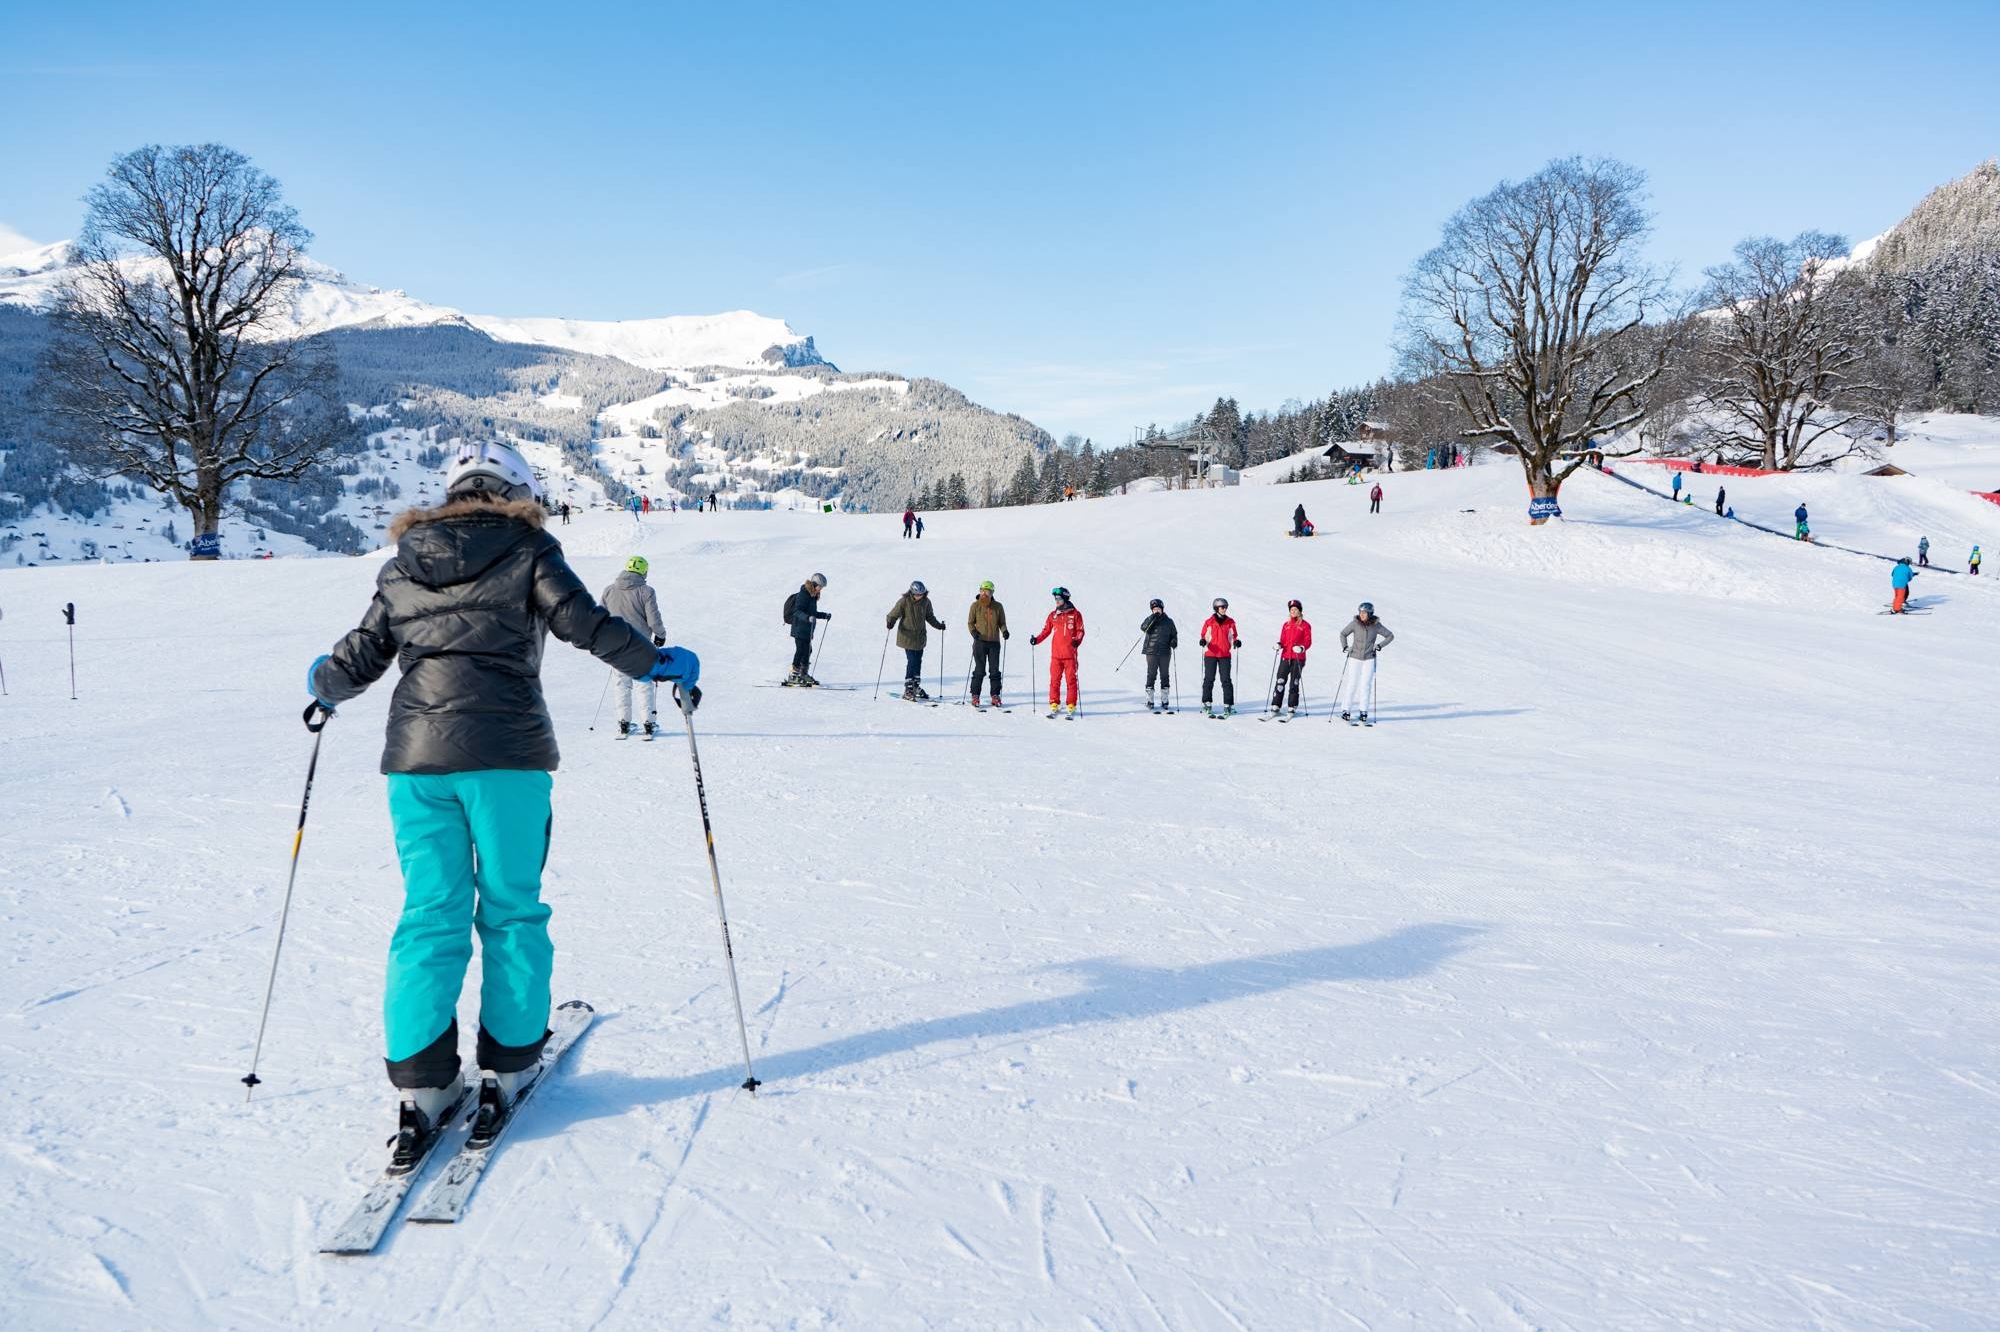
1294	640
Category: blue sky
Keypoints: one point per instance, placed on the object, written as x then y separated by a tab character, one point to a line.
1094	215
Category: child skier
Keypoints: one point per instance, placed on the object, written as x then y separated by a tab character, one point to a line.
1802	531
1161	637
1295	638
633	600
908	617
1362	639
987	623
1219	641
474	586
1063	630
1899	582
1973	563
1375	498
1924	552
801	610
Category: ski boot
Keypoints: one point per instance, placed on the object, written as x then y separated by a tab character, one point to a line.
624	729
1055	709
921	695
996	700
1072	712
1229	709
1151	706
807	682
910	693
422	1113
1347	716
652	729
1207	710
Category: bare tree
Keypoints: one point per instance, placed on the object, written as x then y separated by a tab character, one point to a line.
1525	307
1785	337
175	360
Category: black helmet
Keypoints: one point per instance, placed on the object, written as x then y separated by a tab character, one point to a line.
1366	608
1157	604
917	589
1062	592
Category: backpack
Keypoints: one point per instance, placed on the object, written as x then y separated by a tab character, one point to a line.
791	606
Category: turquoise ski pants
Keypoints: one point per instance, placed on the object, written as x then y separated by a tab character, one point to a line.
472	846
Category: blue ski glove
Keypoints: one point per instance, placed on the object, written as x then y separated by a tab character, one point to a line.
311	672
677	664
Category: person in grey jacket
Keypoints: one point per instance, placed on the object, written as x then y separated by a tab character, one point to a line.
1160	638
463	608
632	599
1362	640
908	617
801	612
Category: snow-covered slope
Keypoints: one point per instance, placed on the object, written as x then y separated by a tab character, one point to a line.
1636	972
330	299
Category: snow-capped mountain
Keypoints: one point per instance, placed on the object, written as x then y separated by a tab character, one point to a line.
329	299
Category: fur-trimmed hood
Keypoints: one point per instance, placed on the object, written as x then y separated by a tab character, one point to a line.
528	511
461	539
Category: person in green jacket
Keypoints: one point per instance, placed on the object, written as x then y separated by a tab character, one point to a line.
987	623
908	617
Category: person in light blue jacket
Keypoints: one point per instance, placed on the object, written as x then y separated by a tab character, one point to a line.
1899	582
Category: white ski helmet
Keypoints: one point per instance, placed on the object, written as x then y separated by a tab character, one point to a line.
489	467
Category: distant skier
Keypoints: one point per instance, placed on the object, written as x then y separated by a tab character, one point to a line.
1677	487
1803	531
908	617
1301	525
464	606
714	502
1219	641
801	610
1362	639
1160	637
645	504
1972	563
565	513
633	504
1063	631
987	623
1721	492
1295	639
920	527
632	599
1899	582
909	523
1375	498
1924	552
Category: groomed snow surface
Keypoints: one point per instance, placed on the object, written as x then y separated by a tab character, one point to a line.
1638	971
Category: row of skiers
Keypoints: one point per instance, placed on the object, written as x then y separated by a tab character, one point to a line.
913	616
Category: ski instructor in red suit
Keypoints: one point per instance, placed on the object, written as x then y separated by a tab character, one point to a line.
1064	632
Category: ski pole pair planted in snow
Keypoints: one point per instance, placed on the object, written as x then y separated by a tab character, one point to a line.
318	714
69	616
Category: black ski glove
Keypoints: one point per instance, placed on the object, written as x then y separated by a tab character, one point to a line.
1004	635
659	640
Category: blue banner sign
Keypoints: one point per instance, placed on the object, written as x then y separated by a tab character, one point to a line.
1544	506
207	546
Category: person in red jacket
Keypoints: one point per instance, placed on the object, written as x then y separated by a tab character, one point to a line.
1293	641
1375	499
1219	641
1064	632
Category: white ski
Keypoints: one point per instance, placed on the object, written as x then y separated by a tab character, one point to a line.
369	1221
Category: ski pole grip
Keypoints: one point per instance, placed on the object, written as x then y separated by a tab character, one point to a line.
325	714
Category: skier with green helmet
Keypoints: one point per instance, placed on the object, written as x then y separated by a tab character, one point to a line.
987	623
632	599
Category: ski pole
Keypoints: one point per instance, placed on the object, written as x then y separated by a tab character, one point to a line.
600	697
1374	679
941	671
881	665
1128	654
318	729
3	668
813	670
69	615
1339	691
750	1083
971	663
1274	673
1177	677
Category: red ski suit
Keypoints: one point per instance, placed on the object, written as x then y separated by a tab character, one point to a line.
1295	638
1064	632
1218	636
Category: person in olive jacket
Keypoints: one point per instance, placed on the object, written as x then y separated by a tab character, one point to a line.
908	617
987	623
463	608
1160	638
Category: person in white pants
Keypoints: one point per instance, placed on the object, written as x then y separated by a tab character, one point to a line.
1362	639
633	600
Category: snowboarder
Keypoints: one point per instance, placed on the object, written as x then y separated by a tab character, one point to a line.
987	623
1295	638
908	617
1219	641
1063	630
1973	563
1924	552
632	599
1160	638
1301	525
474	586
1362	639
1720	493
1803	532
1375	498
1899	582
909	523
801	609
1677	487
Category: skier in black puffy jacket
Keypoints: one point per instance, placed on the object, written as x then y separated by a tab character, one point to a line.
463	608
801	609
1161	638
